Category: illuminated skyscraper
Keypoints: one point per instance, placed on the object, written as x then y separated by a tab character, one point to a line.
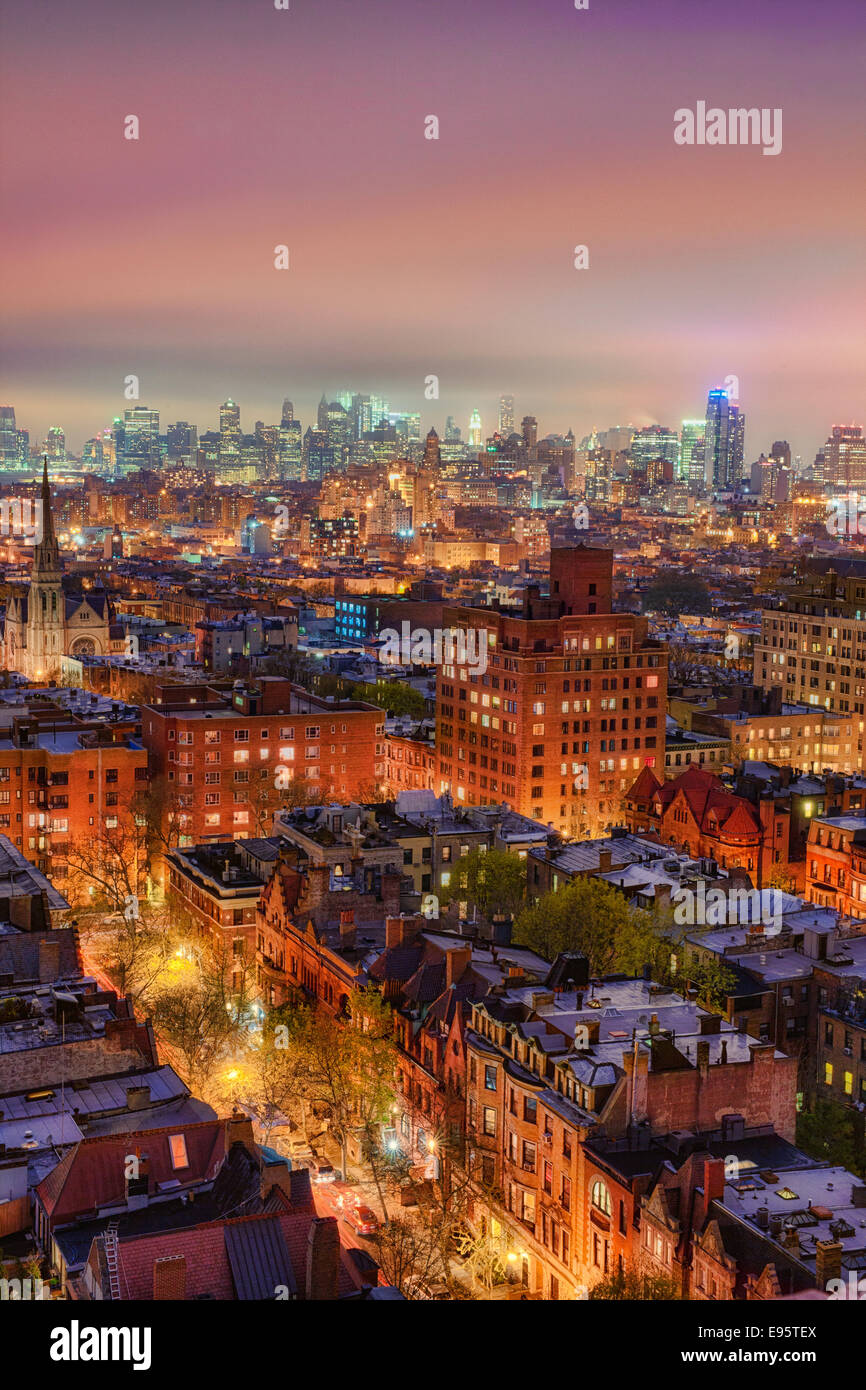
529	430
691	464
475	434
8	437
55	443
432	456
230	436
723	441
288	412
655	442
845	457
506	416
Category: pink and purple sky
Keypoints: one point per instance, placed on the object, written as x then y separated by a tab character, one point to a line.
412	257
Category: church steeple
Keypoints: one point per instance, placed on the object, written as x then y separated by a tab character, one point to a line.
46	554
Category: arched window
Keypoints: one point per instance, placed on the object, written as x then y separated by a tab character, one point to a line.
600	1197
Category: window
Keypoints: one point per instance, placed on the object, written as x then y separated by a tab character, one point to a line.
565	1194
600	1197
530	1109
490	1078
489	1125
177	1149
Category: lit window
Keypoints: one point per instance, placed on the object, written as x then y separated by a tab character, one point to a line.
177	1148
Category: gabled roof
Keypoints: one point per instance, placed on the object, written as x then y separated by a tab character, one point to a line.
646	786
93	1174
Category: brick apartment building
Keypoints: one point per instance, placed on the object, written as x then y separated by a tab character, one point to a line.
570	708
64	779
231	756
836	863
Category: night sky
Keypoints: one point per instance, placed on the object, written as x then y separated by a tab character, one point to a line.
412	256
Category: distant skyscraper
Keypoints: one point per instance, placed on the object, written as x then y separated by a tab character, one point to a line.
529	430
8	437
845	457
475	435
691	465
781	453
230	436
506	416
452	430
655	442
288	414
723	441
182	443
432	457
55	443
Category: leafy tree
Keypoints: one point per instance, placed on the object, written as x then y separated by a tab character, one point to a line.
588	915
713	980
673	592
833	1133
493	881
635	1285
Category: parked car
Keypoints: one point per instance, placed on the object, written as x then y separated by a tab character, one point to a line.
362	1220
322	1171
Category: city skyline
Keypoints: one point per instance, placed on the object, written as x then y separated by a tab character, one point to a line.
411	257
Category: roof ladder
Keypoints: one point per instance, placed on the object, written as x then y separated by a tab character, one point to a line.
111	1259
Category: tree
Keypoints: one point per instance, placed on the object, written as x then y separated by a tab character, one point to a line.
833	1133
631	1283
673	592
135	949
713	980
106	868
493	881
346	1068
409	1256
588	915
203	1015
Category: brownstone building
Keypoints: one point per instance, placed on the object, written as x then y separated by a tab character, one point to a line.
569	709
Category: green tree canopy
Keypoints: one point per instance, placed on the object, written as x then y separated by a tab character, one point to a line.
674	592
492	880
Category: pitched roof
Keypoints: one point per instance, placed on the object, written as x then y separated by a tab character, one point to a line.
227	1259
92	1175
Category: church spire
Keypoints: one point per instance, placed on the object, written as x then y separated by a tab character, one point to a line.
46	555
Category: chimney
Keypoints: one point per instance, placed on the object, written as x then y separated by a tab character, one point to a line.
323	1258
456	961
399	930
714	1180
605	861
828	1261
137	1097
703	1051
49	961
239	1130
169	1278
347	929
791	1239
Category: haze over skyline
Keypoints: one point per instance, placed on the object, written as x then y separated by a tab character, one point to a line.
412	257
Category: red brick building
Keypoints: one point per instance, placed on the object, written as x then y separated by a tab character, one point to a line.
836	863
697	814
233	757
569	709
65	780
